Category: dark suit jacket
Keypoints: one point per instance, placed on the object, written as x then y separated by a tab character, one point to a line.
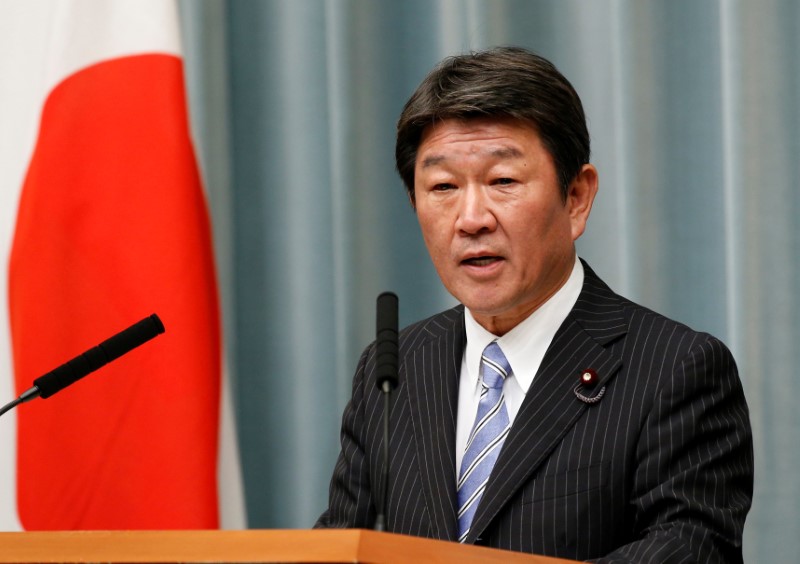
659	469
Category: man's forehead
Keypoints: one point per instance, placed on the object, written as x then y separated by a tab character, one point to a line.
499	152
476	128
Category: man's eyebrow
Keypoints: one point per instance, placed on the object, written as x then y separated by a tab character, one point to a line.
432	160
506	153
499	152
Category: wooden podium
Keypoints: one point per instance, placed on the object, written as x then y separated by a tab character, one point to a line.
348	545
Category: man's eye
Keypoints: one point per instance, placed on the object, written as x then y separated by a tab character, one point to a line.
504	181
443	187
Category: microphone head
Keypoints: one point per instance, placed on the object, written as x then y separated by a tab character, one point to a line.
158	326
386	309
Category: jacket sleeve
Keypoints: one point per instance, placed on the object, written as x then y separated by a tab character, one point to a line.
693	481
350	502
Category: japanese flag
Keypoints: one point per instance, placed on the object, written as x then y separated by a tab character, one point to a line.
103	221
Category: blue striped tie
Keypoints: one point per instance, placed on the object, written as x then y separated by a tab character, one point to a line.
486	439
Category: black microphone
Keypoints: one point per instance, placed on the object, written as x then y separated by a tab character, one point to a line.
386	342
386	353
97	357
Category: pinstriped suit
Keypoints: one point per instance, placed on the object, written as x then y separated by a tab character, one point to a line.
659	469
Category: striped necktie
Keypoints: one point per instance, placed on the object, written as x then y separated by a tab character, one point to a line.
486	439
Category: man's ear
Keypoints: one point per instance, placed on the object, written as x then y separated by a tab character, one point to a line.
580	198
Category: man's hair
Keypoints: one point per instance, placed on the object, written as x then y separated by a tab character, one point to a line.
507	82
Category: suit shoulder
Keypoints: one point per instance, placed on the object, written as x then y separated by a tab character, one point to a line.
665	347
662	329
608	316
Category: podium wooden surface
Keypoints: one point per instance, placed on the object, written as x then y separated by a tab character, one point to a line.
254	546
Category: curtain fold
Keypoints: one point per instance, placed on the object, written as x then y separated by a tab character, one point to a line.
694	117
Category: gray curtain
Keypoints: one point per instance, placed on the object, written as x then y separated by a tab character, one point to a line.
694	115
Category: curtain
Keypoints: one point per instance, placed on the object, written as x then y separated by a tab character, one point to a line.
695	124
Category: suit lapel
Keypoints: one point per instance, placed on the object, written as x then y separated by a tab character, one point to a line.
551	407
432	370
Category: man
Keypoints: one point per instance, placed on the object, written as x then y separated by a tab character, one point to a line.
546	414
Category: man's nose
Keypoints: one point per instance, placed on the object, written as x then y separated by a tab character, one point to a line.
475	213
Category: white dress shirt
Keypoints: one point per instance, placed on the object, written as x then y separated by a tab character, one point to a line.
524	347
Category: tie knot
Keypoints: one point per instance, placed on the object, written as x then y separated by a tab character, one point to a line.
495	366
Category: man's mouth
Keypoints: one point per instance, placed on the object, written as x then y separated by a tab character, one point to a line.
481	261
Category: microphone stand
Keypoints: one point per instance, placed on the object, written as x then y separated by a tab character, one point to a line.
28	395
380	520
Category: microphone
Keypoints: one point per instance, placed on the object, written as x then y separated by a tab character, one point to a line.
386	354
386	342
96	357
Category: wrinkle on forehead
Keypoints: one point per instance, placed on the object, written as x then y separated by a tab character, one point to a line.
496	152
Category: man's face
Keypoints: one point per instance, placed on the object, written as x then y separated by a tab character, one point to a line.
498	231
